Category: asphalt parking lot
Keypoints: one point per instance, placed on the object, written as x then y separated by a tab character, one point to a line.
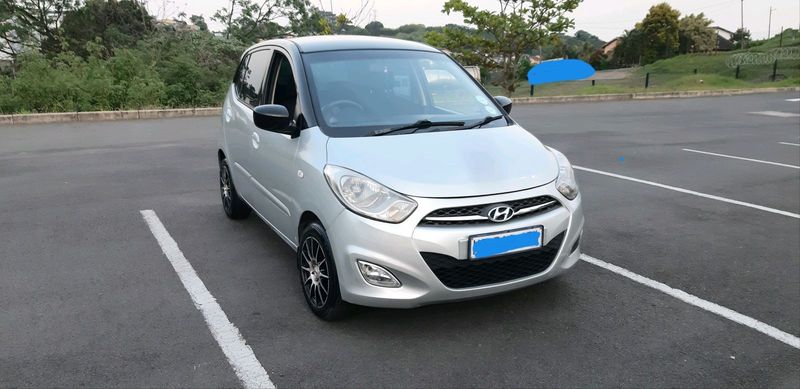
88	298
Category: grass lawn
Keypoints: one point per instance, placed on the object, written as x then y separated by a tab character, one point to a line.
678	74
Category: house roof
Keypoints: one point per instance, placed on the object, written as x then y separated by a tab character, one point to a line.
722	29
610	42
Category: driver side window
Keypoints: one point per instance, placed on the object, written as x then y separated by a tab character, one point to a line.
250	77
283	90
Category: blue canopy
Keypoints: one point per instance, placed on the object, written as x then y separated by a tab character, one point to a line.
562	70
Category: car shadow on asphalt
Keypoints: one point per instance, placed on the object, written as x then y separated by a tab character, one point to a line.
537	298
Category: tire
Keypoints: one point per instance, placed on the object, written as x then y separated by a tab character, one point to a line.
235	208
318	277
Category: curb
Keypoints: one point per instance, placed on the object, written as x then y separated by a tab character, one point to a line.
648	96
44	118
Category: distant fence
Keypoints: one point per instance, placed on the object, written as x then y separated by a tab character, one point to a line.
754	68
763	58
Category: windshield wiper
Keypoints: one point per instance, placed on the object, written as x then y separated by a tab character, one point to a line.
483	122
418	125
479	124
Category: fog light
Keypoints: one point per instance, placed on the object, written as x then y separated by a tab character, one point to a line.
378	276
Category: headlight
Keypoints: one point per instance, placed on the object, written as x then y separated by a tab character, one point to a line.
566	182
366	197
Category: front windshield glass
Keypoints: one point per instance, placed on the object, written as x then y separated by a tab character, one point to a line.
360	91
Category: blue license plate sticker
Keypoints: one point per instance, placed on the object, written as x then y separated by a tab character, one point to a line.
491	245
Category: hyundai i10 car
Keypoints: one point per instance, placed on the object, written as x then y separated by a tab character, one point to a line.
397	179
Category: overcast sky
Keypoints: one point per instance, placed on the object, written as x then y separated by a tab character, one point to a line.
604	18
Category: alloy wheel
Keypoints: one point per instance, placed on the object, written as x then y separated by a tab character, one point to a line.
225	187
315	272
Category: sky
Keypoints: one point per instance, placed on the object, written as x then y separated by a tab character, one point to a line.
604	18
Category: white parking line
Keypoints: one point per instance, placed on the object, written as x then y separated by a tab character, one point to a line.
792	100
776	114
742	158
691	192
790	144
252	373
239	354
727	313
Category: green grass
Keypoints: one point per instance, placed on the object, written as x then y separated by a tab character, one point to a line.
791	37
677	74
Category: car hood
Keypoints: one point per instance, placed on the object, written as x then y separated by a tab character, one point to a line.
449	163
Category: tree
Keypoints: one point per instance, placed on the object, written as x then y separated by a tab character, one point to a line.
316	22
225	16
199	21
374	28
342	21
413	32
629	50
740	37
249	20
523	66
581	45
323	22
660	29
696	34
499	38
115	23
598	60
345	21
589	38
24	24
195	67
9	38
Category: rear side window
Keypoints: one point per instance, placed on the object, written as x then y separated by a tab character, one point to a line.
250	78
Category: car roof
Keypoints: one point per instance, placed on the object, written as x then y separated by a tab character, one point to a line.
310	44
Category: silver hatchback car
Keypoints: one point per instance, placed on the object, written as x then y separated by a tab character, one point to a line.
395	176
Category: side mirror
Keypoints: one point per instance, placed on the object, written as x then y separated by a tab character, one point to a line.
504	102
273	118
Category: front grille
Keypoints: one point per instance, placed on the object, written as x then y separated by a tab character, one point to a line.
477	210
455	273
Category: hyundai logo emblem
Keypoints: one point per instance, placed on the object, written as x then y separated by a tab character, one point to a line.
500	213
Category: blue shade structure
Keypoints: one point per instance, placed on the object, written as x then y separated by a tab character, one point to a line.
562	70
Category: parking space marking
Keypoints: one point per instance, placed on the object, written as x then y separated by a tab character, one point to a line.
742	158
691	192
792	100
691	299
240	356
776	114
790	144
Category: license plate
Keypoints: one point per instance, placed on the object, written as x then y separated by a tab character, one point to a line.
485	246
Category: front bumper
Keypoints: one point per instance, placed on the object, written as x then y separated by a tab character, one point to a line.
398	248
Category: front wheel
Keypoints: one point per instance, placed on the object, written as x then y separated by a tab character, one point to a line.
233	205
318	275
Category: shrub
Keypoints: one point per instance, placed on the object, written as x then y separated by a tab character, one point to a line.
165	70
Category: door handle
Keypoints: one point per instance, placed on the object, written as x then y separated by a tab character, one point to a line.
255	140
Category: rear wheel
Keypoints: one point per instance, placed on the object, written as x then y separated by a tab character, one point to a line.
233	205
318	276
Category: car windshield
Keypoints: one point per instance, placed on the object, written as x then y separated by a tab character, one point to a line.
358	92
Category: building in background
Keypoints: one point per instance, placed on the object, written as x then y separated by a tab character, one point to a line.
724	39
608	48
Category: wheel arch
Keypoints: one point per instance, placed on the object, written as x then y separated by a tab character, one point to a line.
307	218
